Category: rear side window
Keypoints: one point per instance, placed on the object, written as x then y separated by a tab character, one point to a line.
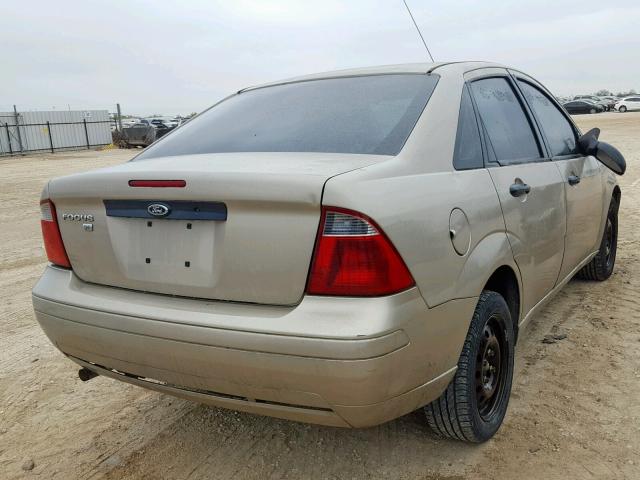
468	149
557	129
363	115
506	123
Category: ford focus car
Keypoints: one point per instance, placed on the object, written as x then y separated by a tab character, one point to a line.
341	248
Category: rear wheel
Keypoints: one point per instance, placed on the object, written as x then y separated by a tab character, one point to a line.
601	266
474	404
622	109
593	110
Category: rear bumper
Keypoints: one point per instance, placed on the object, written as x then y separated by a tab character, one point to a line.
336	361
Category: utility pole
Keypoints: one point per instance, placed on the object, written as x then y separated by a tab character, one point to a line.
119	119
15	114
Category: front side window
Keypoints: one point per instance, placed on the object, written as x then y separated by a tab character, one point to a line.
468	149
363	115
505	121
557	129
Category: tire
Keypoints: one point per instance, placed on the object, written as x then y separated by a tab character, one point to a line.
622	109
592	111
601	266
466	411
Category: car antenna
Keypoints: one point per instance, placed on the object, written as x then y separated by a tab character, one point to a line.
418	28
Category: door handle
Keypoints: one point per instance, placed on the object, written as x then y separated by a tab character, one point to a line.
573	179
519	189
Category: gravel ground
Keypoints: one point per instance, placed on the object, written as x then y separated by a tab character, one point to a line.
574	411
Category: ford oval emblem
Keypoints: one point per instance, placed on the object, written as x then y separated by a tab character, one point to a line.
158	210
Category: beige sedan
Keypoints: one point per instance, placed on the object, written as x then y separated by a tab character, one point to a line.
340	248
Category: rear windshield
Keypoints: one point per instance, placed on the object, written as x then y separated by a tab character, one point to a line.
367	115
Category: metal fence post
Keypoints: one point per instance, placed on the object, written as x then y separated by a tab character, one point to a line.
119	120
6	126
86	132
15	115
50	138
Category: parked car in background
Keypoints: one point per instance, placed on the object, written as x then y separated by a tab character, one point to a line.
335	248
140	134
595	99
582	106
171	121
611	102
144	133
628	104
158	122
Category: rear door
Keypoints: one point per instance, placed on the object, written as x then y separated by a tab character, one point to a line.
529	185
581	174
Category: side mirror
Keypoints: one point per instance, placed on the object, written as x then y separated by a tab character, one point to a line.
607	154
611	157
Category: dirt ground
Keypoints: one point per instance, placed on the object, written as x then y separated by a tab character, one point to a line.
574	411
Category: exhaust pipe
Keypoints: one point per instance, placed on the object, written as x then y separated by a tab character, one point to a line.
85	374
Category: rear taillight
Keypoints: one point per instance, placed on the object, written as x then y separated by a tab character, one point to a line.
51	235
353	257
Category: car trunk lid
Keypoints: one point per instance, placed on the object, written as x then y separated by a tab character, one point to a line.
241	229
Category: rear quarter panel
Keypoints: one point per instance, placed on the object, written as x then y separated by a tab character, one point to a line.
414	211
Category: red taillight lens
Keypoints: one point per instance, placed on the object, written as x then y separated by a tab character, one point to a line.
353	257
51	235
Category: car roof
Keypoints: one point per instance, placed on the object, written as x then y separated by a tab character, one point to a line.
444	68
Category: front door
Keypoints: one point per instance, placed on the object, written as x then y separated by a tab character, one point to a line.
584	190
529	186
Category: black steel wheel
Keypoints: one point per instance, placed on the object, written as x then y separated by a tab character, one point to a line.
474	404
491	368
601	266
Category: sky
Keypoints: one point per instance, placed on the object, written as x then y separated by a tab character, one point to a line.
177	57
